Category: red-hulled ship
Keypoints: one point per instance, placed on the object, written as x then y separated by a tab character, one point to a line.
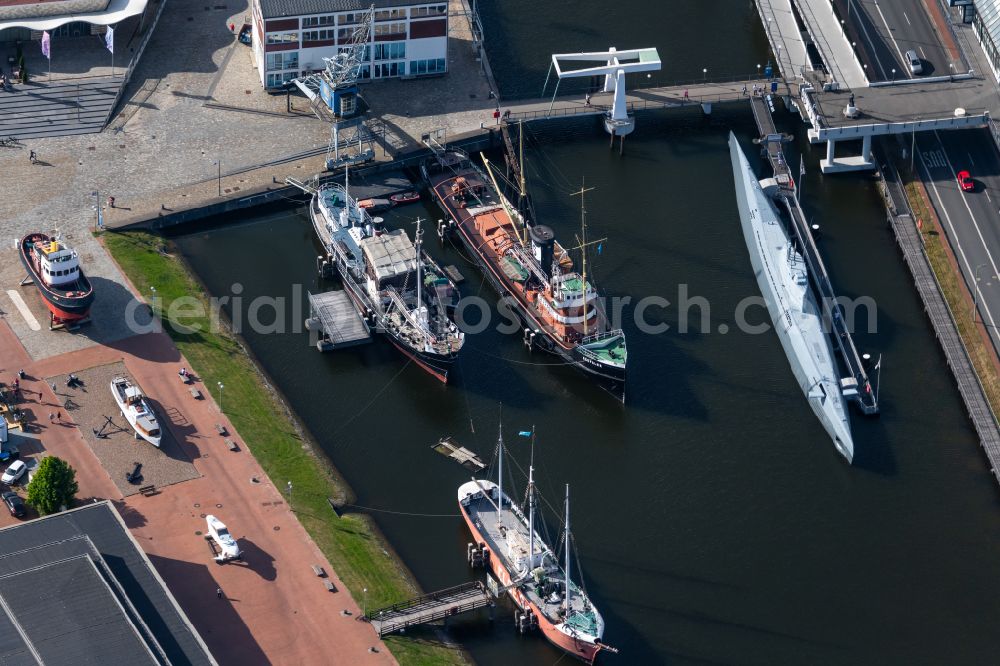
55	270
531	573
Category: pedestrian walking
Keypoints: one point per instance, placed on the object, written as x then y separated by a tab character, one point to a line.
32	156
20	373
496	115
218	593
588	99
686	95
52	417
58	417
53	387
111	202
744	89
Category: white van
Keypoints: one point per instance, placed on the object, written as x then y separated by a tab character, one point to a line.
916	67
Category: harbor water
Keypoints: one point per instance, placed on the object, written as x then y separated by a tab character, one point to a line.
714	520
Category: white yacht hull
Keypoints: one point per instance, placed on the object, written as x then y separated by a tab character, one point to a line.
782	277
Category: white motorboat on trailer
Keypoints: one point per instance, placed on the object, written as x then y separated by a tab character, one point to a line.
136	410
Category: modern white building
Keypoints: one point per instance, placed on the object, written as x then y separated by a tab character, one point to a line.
291	37
986	23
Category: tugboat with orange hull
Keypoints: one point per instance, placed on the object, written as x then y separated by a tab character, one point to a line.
560	309
528	570
55	270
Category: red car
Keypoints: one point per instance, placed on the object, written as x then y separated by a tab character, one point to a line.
965	181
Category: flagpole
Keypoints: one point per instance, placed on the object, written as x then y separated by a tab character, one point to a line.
878	378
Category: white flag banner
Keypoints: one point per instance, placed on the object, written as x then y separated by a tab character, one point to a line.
109	39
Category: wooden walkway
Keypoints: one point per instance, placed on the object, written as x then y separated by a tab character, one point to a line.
945	328
340	324
431	607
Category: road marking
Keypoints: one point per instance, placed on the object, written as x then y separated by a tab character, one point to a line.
988	197
893	38
871	46
975	224
972	162
907	19
22	307
922	52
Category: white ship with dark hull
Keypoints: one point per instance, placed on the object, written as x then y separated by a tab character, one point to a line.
784	282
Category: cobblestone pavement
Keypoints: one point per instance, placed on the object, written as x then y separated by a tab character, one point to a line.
91	402
108	321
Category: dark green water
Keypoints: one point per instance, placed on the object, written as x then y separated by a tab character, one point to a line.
715	521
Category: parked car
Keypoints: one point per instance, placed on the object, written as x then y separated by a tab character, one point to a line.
965	181
14	472
916	67
14	503
9	452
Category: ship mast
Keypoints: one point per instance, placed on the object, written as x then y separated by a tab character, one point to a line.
566	596
531	505
500	475
583	249
420	302
520	203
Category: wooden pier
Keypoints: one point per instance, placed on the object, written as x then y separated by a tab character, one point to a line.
431	607
904	227
332	315
447	446
858	386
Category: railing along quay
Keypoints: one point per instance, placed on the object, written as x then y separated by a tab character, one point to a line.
970	387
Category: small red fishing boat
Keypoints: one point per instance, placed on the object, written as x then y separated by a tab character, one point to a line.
55	270
405	198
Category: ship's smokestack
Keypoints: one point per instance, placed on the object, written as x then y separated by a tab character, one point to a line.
543	242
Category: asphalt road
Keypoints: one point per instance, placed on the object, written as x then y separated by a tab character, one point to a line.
886	30
971	220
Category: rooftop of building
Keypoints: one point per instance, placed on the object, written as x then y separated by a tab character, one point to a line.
283	8
76	588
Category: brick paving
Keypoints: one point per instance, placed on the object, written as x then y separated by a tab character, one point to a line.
275	610
90	402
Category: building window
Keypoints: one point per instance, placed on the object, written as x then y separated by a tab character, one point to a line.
283	60
276	79
436	10
387	69
387	29
318	35
432	66
390	51
282	37
349	19
314	21
390	14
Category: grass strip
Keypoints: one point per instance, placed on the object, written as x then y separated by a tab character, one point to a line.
955	291
353	546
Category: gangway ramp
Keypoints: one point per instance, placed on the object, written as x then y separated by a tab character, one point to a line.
431	607
858	386
339	325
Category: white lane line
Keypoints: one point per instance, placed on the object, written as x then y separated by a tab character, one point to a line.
922	52
907	19
888	30
871	45
22	307
975	224
988	197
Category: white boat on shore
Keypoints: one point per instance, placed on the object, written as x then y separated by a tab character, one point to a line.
136	410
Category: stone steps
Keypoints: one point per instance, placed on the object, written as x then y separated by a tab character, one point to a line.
60	109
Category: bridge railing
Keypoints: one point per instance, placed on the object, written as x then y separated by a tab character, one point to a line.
644	105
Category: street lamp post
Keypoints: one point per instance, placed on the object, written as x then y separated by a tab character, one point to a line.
221	386
893	74
218	163
842	29
364	608
704	74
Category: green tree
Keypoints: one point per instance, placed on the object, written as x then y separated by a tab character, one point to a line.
53	485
